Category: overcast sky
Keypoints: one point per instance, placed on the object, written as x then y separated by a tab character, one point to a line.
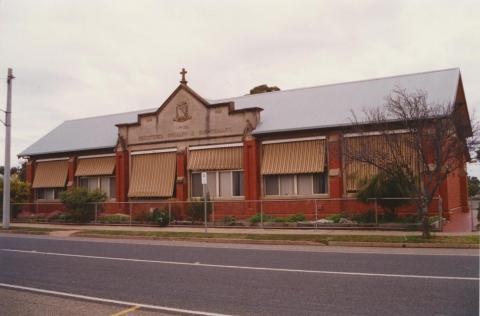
84	58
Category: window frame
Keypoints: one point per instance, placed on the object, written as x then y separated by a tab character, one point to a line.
217	185
99	187
296	195
56	192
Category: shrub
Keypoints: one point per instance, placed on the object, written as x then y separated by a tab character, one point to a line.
393	183
196	211
299	217
267	218
334	217
367	217
114	218
79	201
159	217
229	220
257	218
408	219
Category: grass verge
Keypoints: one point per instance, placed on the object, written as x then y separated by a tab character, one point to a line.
320	239
28	230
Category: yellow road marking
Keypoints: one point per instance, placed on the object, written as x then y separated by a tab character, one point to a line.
126	311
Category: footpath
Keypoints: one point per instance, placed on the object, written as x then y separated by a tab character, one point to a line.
276	236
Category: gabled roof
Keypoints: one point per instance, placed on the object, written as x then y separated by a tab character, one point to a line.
297	109
332	105
82	134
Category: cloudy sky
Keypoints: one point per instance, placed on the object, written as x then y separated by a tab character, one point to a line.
82	58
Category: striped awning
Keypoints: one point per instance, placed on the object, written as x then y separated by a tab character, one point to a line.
293	157
226	158
50	174
100	166
152	175
379	149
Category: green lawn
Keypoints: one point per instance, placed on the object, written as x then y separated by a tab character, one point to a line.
322	239
29	230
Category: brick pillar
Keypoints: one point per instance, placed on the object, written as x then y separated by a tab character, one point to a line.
122	174
181	182
335	172
251	171
72	164
464	188
335	166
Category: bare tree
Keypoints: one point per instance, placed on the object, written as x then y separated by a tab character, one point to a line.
426	141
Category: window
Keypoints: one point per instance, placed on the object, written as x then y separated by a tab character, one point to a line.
295	184
48	193
320	183
105	184
287	184
237	183
271	185
304	184
197	188
223	184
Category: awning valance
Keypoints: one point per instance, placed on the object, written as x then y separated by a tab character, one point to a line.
226	158
152	175
50	174
381	149
100	166
293	157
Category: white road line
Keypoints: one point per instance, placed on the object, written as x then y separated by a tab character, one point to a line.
106	300
198	264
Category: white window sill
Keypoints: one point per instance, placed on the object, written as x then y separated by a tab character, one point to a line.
297	197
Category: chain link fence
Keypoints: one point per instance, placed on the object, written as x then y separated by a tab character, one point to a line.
268	213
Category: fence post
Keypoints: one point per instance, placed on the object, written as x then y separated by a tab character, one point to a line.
261	213
213	213
169	212
96	213
316	215
130	210
376	213
440	213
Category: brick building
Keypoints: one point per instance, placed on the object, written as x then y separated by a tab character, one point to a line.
279	144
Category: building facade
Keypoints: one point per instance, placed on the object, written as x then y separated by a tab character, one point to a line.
269	146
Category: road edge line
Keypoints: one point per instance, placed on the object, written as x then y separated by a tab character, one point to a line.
107	300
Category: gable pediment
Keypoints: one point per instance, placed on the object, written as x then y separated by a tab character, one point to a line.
185	115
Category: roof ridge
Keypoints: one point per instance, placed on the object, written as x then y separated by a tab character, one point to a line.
337	83
106	115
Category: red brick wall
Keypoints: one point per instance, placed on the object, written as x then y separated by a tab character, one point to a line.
181	182
122	175
72	164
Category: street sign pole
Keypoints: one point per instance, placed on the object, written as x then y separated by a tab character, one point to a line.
204	184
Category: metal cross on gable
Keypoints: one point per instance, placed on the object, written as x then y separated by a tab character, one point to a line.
183	73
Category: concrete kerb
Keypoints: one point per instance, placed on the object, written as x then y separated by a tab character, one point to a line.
72	231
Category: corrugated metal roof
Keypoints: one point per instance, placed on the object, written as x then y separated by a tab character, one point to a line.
82	134
332	105
305	108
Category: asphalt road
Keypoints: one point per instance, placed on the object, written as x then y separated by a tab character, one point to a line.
249	280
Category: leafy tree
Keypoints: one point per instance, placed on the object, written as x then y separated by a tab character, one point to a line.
439	135
81	202
19	193
473	186
388	187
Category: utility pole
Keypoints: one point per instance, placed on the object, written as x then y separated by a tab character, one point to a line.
6	170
